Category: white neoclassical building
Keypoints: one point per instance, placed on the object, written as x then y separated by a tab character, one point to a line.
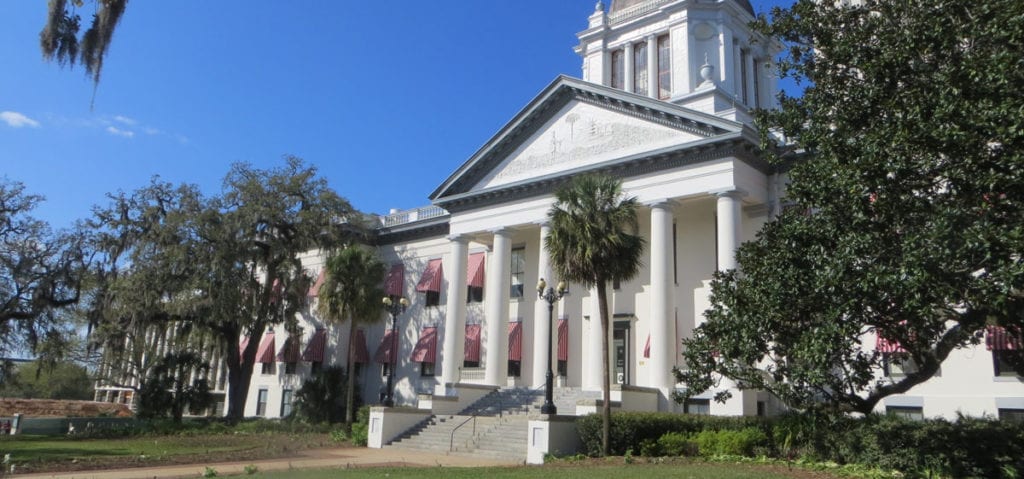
664	103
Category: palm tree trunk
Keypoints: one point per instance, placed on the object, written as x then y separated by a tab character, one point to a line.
606	405
350	383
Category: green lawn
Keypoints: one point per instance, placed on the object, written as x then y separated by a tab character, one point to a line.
694	470
45	453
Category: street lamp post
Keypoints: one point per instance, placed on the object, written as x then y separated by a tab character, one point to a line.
551	296
394	308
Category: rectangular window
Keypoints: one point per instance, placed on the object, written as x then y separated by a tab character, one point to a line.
618	69
475	294
427	370
286	403
385	369
744	60
897	365
289	368
518	272
315	367
1003	361
664	68
563	368
640	68
433	298
470	364
268	368
699	407
514	368
906	412
261	402
1011	415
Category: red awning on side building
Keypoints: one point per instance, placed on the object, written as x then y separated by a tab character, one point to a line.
432	277
426	348
290	351
515	341
394	284
475	271
563	339
386	351
314	352
315	289
266	352
359	343
472	350
998	338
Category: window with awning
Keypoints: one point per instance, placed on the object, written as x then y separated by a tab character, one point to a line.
471	354
425	350
289	353
315	289
394	283
242	344
430	282
1006	346
475	278
265	354
386	351
362	356
515	348
314	351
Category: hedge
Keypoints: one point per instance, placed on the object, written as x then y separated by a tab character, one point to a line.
967	447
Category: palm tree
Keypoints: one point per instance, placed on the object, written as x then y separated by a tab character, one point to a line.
593	242
352	288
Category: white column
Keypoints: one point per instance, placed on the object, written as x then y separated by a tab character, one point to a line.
455	315
498	270
652	66
541	326
592	369
662	326
729	227
627	59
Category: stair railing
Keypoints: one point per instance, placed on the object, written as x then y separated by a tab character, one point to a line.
451	439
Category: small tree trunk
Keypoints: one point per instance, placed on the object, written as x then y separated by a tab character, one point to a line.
239	376
350	383
606	406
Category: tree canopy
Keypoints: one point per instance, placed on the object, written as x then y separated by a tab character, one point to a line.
906	204
594	241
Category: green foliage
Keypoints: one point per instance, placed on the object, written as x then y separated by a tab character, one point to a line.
63	380
361	428
167	390
321	398
673	444
209	472
631	430
742	442
592	242
251	469
907	199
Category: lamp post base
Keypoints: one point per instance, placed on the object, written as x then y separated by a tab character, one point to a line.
549	404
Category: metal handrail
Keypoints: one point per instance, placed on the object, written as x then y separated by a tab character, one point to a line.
451	439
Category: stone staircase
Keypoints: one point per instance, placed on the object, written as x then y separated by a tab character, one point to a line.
496	426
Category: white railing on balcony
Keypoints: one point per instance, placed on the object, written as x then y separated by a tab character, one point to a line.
636	11
413	215
472	375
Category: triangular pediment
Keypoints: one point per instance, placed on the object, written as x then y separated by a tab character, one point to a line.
575	126
582	134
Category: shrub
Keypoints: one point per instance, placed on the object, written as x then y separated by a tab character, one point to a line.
361	428
631	430
676	444
730	443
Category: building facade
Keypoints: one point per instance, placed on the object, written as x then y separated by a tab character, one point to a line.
665	103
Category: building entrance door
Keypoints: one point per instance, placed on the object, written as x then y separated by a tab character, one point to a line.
620	353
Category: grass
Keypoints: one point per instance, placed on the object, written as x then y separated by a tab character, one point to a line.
45	453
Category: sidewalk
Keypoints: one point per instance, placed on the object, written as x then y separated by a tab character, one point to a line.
311	459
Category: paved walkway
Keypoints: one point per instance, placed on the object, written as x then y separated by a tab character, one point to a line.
311	459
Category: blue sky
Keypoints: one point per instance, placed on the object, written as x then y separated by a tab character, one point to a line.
385	101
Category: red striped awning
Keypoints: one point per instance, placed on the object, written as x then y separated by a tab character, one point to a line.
998	338
432	276
475	271
386	351
315	289
394	284
426	348
472	351
563	339
241	347
359	343
275	291
885	345
647	347
515	341
314	352
266	352
289	353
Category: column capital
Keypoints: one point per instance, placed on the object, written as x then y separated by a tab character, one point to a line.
459	238
663	203
735	193
500	231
